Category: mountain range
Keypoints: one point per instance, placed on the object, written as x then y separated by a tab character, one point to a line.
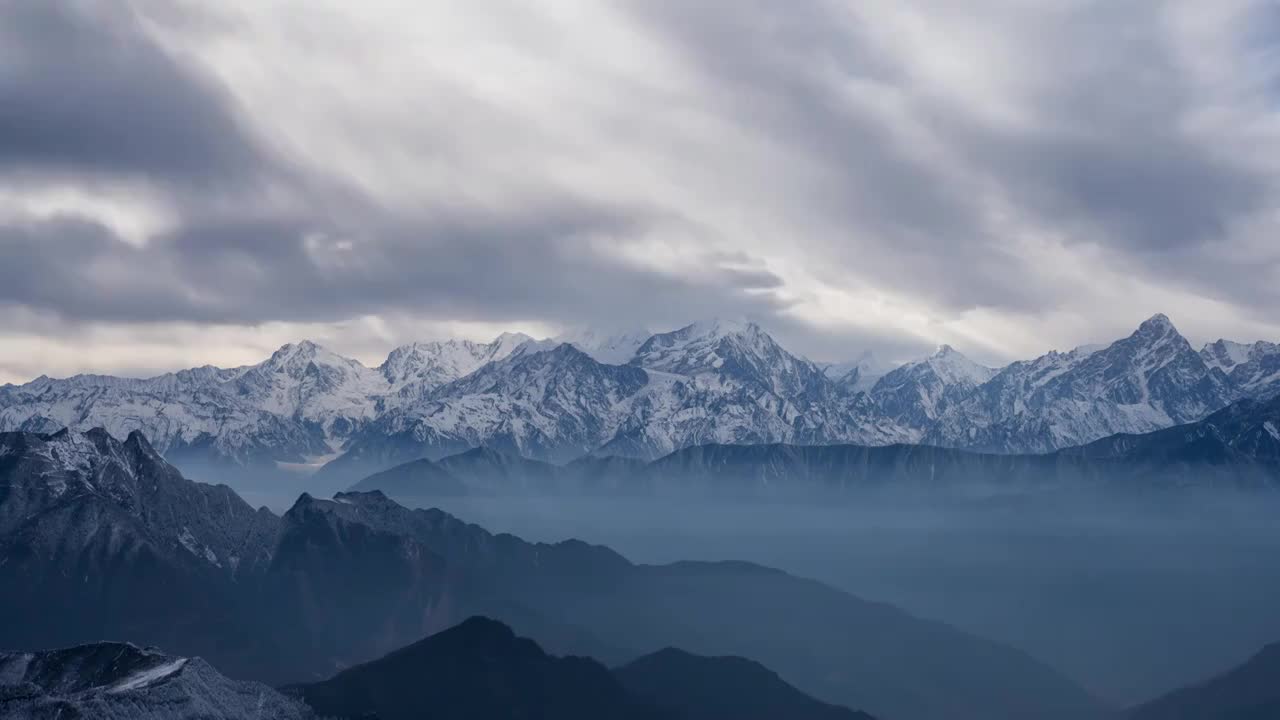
481	669
103	538
632	396
1237	447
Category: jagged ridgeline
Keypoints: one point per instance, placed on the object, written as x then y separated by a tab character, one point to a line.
1236	448
104	539
640	396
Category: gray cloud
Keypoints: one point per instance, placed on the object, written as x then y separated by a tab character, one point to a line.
84	90
297	269
764	155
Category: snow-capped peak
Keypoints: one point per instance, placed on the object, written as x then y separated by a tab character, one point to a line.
860	374
610	348
417	368
1084	351
1226	354
953	368
1156	326
295	357
310	382
720	327
506	343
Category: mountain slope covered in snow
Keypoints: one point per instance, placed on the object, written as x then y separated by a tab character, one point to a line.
597	393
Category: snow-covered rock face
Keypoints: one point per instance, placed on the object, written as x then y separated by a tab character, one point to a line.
608	348
1254	370
858	375
302	403
1150	380
414	370
121	681
42	475
709	382
918	393
731	355
554	403
313	385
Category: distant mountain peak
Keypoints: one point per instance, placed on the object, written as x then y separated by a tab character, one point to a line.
508	341
609	347
954	367
1158	324
300	349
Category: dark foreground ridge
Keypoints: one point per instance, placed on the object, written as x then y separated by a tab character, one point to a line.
119	681
481	669
478	669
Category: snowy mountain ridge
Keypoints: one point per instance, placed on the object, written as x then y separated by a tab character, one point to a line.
709	382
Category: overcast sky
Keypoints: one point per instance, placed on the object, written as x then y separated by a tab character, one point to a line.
197	183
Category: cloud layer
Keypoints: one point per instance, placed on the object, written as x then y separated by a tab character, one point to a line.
1002	176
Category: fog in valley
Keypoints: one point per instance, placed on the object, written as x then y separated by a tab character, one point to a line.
1127	596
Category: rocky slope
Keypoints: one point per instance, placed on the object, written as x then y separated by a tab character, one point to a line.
102	538
1150	380
119	681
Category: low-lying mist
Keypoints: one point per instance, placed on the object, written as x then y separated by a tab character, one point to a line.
1130	595
1130	598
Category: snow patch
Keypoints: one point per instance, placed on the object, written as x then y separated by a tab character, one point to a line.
146	678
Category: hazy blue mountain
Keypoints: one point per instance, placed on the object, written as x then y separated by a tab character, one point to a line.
1248	692
482	669
722	688
622	610
417	478
477	669
105	539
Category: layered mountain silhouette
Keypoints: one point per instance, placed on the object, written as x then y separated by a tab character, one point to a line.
478	669
482	669
1237	447
694	687
1248	692
709	383
105	539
